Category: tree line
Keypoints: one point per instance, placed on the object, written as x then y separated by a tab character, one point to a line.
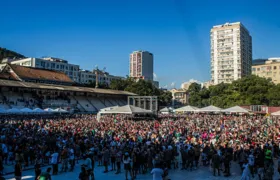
250	90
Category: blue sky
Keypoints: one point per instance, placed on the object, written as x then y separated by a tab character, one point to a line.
105	32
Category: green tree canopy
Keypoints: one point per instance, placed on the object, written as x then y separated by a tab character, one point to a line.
250	90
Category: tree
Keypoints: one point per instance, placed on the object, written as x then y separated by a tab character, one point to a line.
250	90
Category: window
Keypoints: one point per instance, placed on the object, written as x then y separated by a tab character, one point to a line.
43	63
52	65
57	66
275	67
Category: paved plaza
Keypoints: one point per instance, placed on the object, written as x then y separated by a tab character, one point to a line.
200	174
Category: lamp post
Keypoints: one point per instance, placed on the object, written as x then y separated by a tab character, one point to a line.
96	76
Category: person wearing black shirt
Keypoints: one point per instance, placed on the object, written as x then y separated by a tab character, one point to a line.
18	171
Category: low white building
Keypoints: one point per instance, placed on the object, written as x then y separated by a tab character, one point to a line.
86	77
71	70
57	64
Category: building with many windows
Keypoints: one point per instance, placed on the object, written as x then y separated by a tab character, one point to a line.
231	52
141	65
268	68
179	97
51	63
87	77
71	70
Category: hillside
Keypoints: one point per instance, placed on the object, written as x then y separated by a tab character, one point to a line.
4	53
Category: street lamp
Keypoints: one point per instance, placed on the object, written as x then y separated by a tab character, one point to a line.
96	76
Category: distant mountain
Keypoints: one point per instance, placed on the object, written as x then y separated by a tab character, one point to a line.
5	53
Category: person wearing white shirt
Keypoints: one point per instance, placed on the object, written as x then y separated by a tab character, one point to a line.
54	162
157	173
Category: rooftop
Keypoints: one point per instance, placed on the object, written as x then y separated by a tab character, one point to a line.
23	72
10	83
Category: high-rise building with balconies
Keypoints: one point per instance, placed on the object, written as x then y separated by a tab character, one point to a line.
141	65
231	52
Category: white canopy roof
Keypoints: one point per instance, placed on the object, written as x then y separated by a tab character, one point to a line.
38	110
187	109
236	109
127	109
13	110
210	109
166	109
26	110
108	108
2	110
276	113
60	110
48	110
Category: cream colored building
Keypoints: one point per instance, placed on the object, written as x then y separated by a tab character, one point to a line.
179	97
268	68
231	52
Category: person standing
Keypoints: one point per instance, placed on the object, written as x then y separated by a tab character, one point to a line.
64	159
157	172
71	158
38	170
216	163
251	161
106	158
54	162
83	174
119	160
18	171
127	165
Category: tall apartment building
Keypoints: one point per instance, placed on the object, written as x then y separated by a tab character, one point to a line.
268	68
141	65
231	52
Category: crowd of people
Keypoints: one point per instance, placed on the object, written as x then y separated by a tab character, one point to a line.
183	142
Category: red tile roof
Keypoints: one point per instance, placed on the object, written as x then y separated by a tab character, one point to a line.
39	74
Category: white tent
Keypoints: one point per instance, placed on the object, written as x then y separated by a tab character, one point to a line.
276	113
210	109
127	109
108	108
26	110
13	110
48	110
38	110
187	109
166	110
2	110
60	110
236	109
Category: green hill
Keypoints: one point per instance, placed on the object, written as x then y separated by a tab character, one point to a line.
5	53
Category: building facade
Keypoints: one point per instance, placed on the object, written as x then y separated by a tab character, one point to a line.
231	52
179	97
87	77
51	63
71	70
141	65
268	68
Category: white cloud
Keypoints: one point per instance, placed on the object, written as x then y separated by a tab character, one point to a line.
155	77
